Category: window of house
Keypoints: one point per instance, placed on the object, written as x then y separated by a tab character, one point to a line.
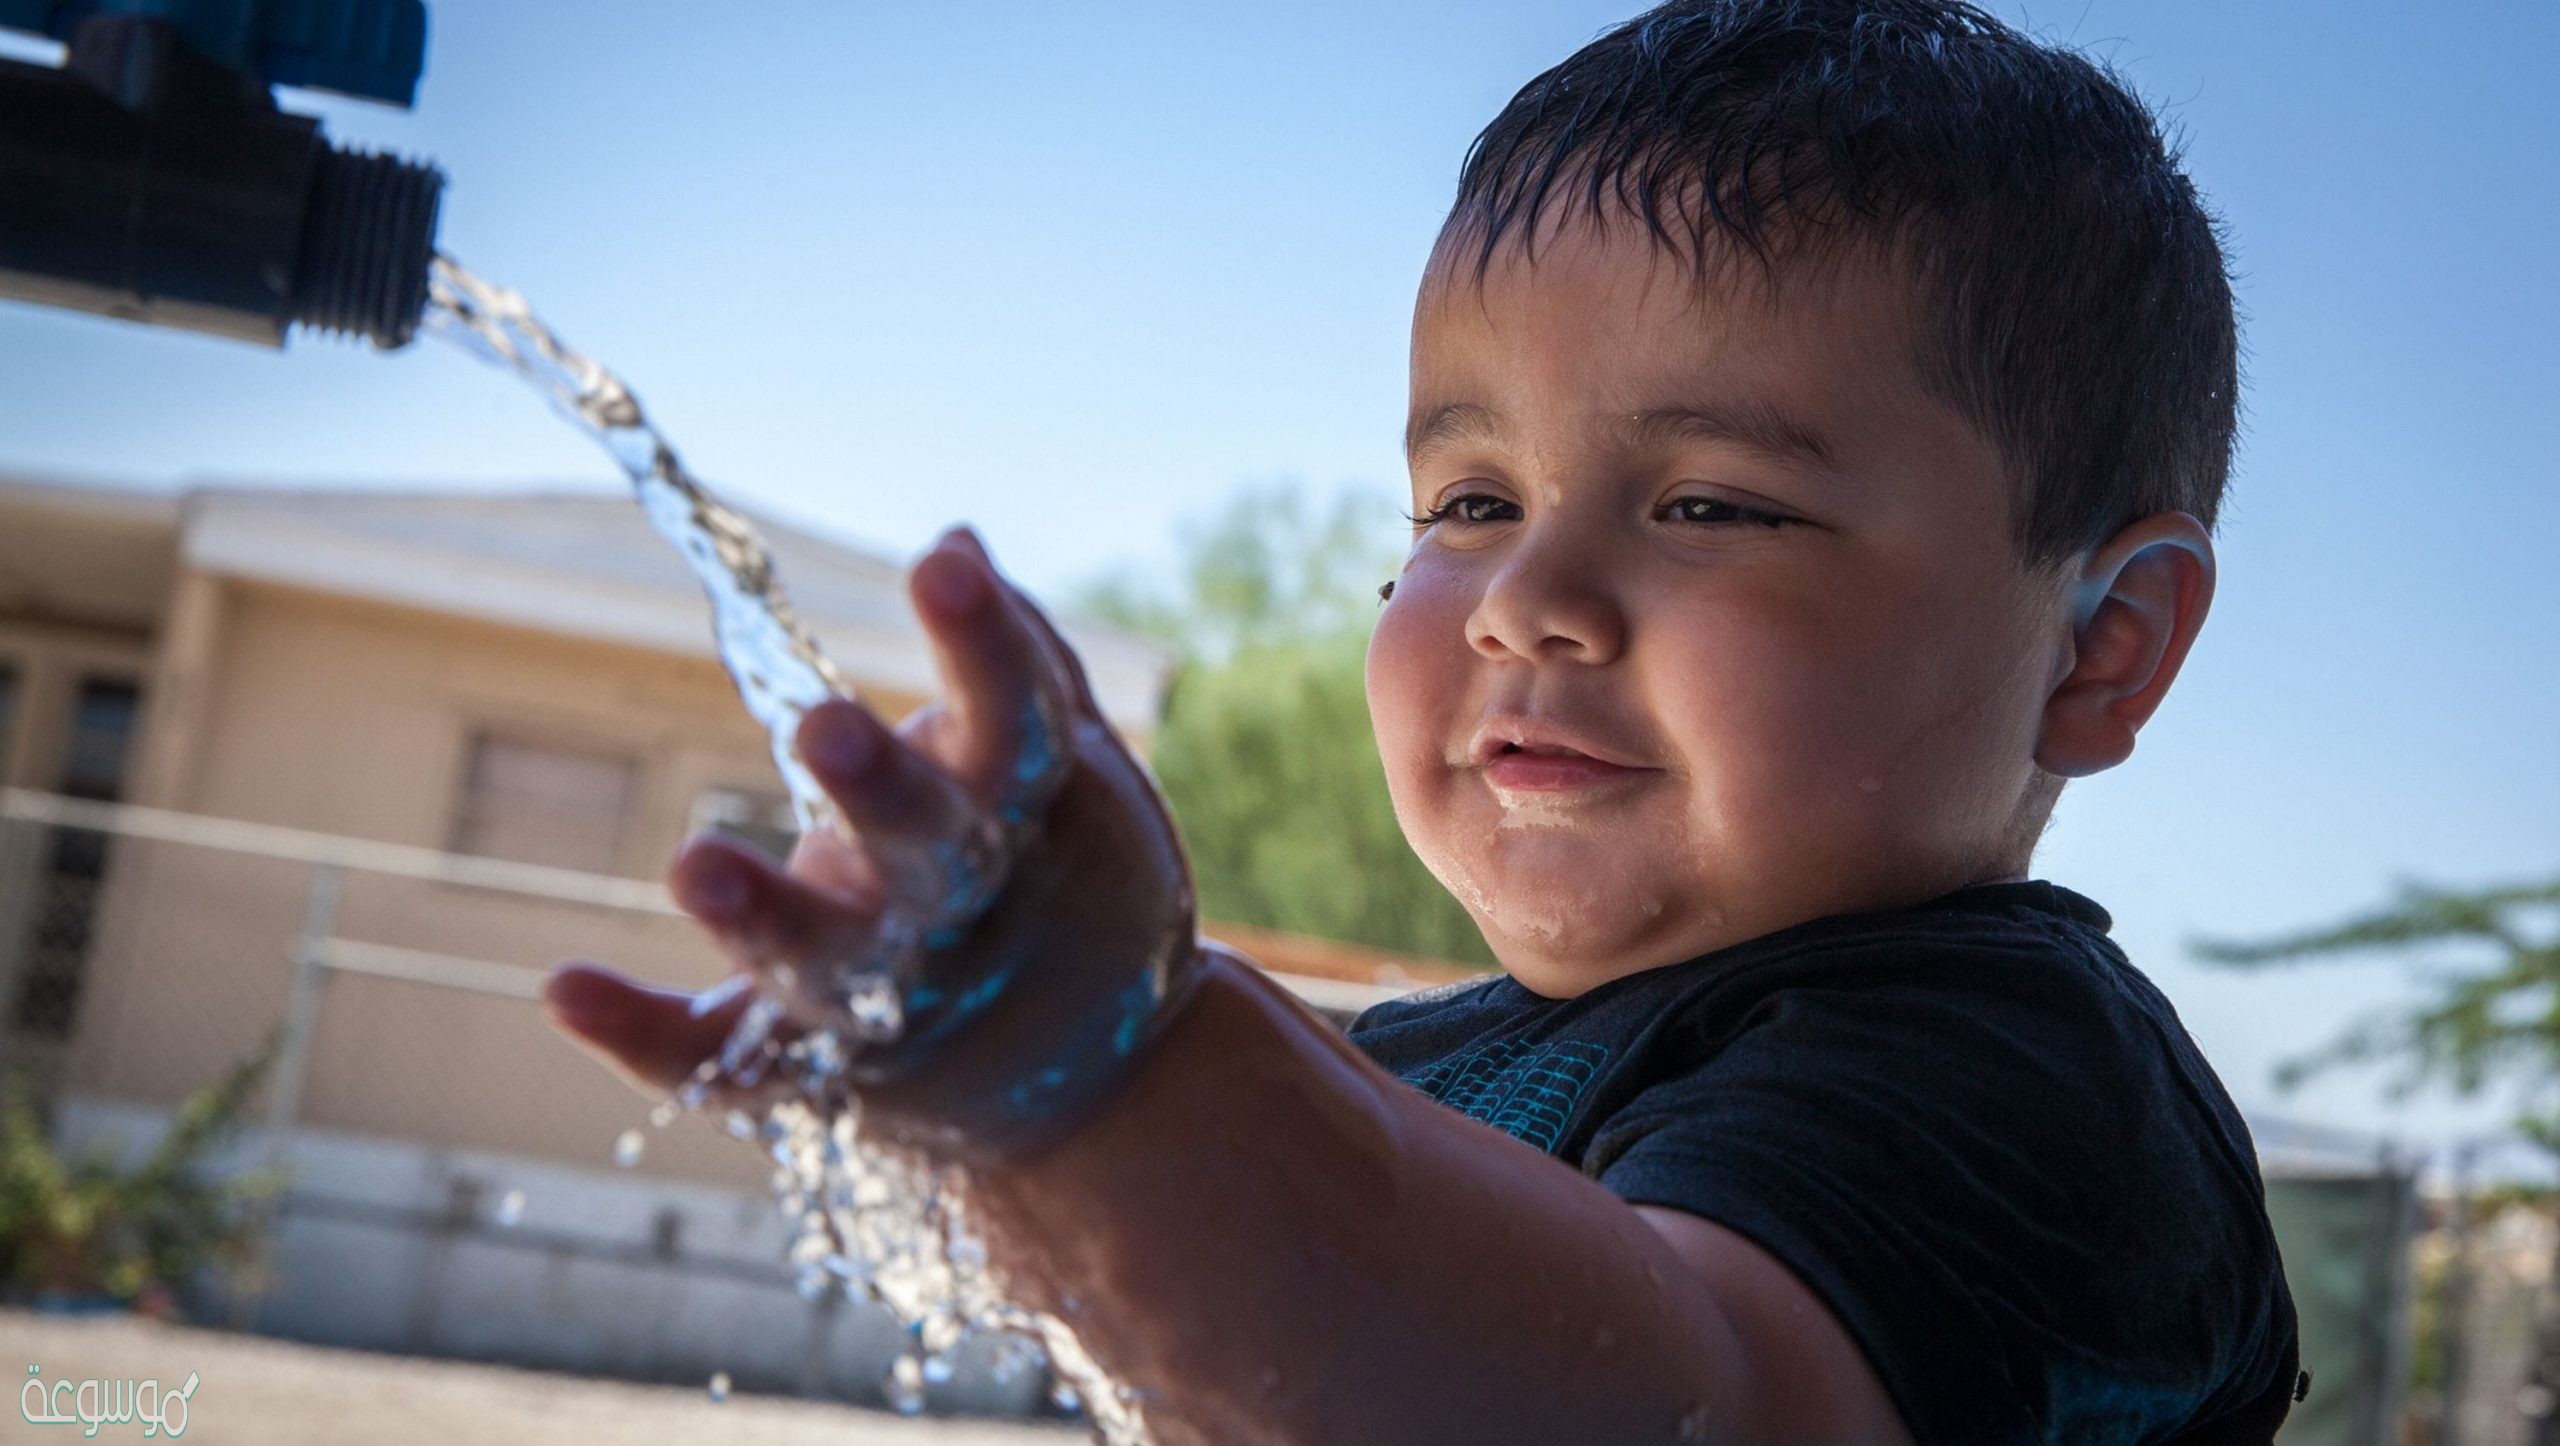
103	716
50	971
762	820
541	803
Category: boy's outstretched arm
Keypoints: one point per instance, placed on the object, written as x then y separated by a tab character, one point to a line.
1274	1240
1262	1232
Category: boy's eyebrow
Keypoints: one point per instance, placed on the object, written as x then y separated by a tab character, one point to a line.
1753	425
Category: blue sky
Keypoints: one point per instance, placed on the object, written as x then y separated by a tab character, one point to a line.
1074	273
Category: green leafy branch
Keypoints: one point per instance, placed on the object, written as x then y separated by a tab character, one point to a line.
2498	1019
83	1226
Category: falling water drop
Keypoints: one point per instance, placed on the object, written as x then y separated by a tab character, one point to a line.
892	1222
511	1207
719	1386
812	1281
905	1385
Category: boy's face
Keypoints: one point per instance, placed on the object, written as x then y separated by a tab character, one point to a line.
1834	714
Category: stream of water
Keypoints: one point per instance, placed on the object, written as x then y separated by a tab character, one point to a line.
868	1220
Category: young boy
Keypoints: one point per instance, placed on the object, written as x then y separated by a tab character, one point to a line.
1819	413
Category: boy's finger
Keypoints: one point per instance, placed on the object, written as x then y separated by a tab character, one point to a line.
909	815
764	918
1005	697
653	1037
1063	663
829	861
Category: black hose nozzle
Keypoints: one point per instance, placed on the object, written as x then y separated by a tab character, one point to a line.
143	181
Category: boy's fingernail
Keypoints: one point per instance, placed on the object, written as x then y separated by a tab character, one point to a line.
953	581
837	743
718	889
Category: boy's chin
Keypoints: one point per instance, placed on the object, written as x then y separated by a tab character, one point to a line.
1572	940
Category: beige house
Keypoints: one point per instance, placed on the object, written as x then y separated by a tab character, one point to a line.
518	677
446	739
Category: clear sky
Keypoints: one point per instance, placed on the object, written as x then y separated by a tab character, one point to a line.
1072	273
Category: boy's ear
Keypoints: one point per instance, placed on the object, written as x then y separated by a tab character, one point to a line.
2135	609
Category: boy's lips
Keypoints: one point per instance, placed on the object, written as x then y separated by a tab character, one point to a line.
1517	735
1540	772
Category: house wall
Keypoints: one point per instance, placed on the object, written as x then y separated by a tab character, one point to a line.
387	1246
352	718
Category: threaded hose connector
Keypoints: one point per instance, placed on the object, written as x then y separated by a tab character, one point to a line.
368	238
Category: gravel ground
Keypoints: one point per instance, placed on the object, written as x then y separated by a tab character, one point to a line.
277	1393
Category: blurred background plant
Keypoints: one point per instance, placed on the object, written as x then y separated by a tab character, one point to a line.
1265	752
2492	1017
85	1229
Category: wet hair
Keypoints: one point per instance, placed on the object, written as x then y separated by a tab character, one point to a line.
2072	299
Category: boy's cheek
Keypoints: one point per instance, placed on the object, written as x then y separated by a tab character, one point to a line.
1415	680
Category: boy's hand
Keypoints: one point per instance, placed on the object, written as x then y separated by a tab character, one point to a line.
1018	1022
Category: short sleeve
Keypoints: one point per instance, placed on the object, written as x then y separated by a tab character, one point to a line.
2006	1185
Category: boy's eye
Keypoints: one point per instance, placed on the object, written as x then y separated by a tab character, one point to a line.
1700	511
1713	510
1456	509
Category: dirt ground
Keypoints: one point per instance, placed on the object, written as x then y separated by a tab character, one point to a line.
276	1393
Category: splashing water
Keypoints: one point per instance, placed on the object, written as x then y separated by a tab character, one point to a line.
870	1220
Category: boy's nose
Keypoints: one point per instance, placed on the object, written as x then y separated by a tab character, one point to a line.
1544	603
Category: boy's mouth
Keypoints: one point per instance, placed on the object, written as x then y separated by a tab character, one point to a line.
1543	770
1518	736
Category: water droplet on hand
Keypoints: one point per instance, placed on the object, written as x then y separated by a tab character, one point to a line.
873	1003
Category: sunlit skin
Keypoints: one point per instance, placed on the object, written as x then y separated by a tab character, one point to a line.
1729	534
1269	1236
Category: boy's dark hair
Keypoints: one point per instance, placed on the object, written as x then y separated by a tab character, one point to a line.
2071	285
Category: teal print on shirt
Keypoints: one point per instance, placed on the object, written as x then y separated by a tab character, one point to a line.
1526	1092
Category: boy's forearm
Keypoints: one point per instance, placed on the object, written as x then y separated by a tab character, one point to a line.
1273	1240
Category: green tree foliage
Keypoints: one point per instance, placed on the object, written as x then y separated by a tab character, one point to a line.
1265	752
2494	1015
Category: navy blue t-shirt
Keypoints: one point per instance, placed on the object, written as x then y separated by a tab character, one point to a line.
1971	1127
